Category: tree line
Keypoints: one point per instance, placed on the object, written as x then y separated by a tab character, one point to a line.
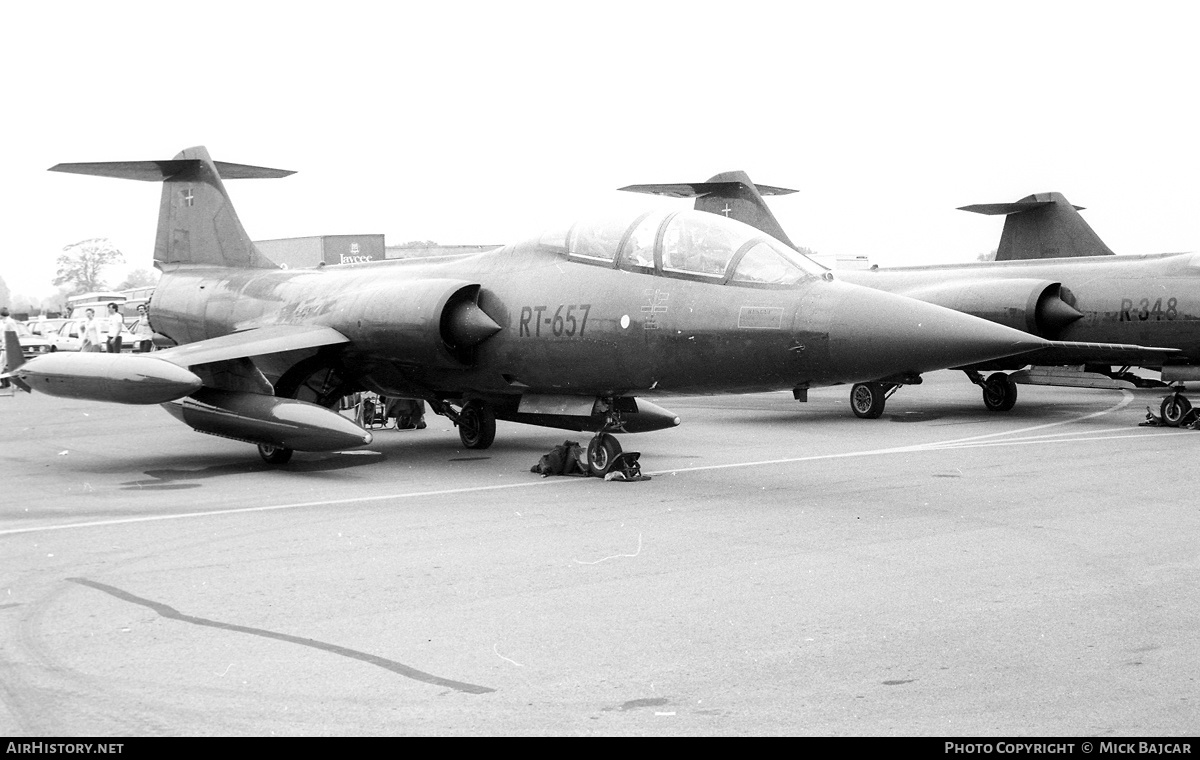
80	269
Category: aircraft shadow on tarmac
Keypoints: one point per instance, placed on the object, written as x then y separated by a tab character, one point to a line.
178	478
427	452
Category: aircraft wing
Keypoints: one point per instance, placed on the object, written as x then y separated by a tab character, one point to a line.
253	342
701	189
1060	353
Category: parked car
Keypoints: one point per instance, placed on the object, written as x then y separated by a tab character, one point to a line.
44	327
32	345
70	336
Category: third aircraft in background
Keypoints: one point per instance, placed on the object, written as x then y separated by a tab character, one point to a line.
1053	277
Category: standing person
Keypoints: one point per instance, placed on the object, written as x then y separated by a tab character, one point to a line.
143	332
90	330
116	323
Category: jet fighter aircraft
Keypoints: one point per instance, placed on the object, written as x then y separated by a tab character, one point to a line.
570	328
1053	278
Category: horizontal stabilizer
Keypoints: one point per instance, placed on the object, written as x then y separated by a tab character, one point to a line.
254	342
701	189
729	194
997	209
160	171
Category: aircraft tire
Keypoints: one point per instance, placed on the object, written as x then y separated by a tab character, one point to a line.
274	454
476	425
867	400
602	451
999	393
1174	408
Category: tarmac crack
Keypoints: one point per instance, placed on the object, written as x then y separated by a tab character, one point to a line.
396	667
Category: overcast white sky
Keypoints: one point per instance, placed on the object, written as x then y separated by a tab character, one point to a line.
483	122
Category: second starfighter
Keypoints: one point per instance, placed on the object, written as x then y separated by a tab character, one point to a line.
1109	312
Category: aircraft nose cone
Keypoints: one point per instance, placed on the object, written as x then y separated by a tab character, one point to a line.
882	334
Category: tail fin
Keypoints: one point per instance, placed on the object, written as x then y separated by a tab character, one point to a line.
1043	226
196	220
730	194
14	357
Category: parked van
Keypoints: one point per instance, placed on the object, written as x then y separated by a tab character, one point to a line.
99	300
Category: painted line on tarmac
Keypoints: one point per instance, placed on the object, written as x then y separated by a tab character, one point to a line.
1034	441
1126	399
975	441
296	505
979	441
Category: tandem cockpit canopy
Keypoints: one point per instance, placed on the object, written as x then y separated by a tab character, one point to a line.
687	245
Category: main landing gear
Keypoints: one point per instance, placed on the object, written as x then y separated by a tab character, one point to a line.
317	380
999	391
867	399
476	425
476	421
274	454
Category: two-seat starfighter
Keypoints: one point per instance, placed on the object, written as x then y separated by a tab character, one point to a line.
567	329
1053	277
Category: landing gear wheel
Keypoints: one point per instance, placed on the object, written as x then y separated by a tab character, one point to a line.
476	425
867	400
999	393
602	451
315	380
1174	408
274	454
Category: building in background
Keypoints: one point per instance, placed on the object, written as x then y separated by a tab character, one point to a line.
308	252
411	251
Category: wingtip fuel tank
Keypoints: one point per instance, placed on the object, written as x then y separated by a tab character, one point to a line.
121	378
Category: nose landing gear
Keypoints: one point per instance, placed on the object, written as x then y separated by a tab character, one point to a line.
602	451
1174	409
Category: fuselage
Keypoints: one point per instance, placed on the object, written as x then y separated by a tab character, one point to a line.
583	325
1149	300
566	326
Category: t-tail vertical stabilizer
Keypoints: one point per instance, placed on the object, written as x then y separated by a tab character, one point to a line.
1043	226
196	222
729	194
